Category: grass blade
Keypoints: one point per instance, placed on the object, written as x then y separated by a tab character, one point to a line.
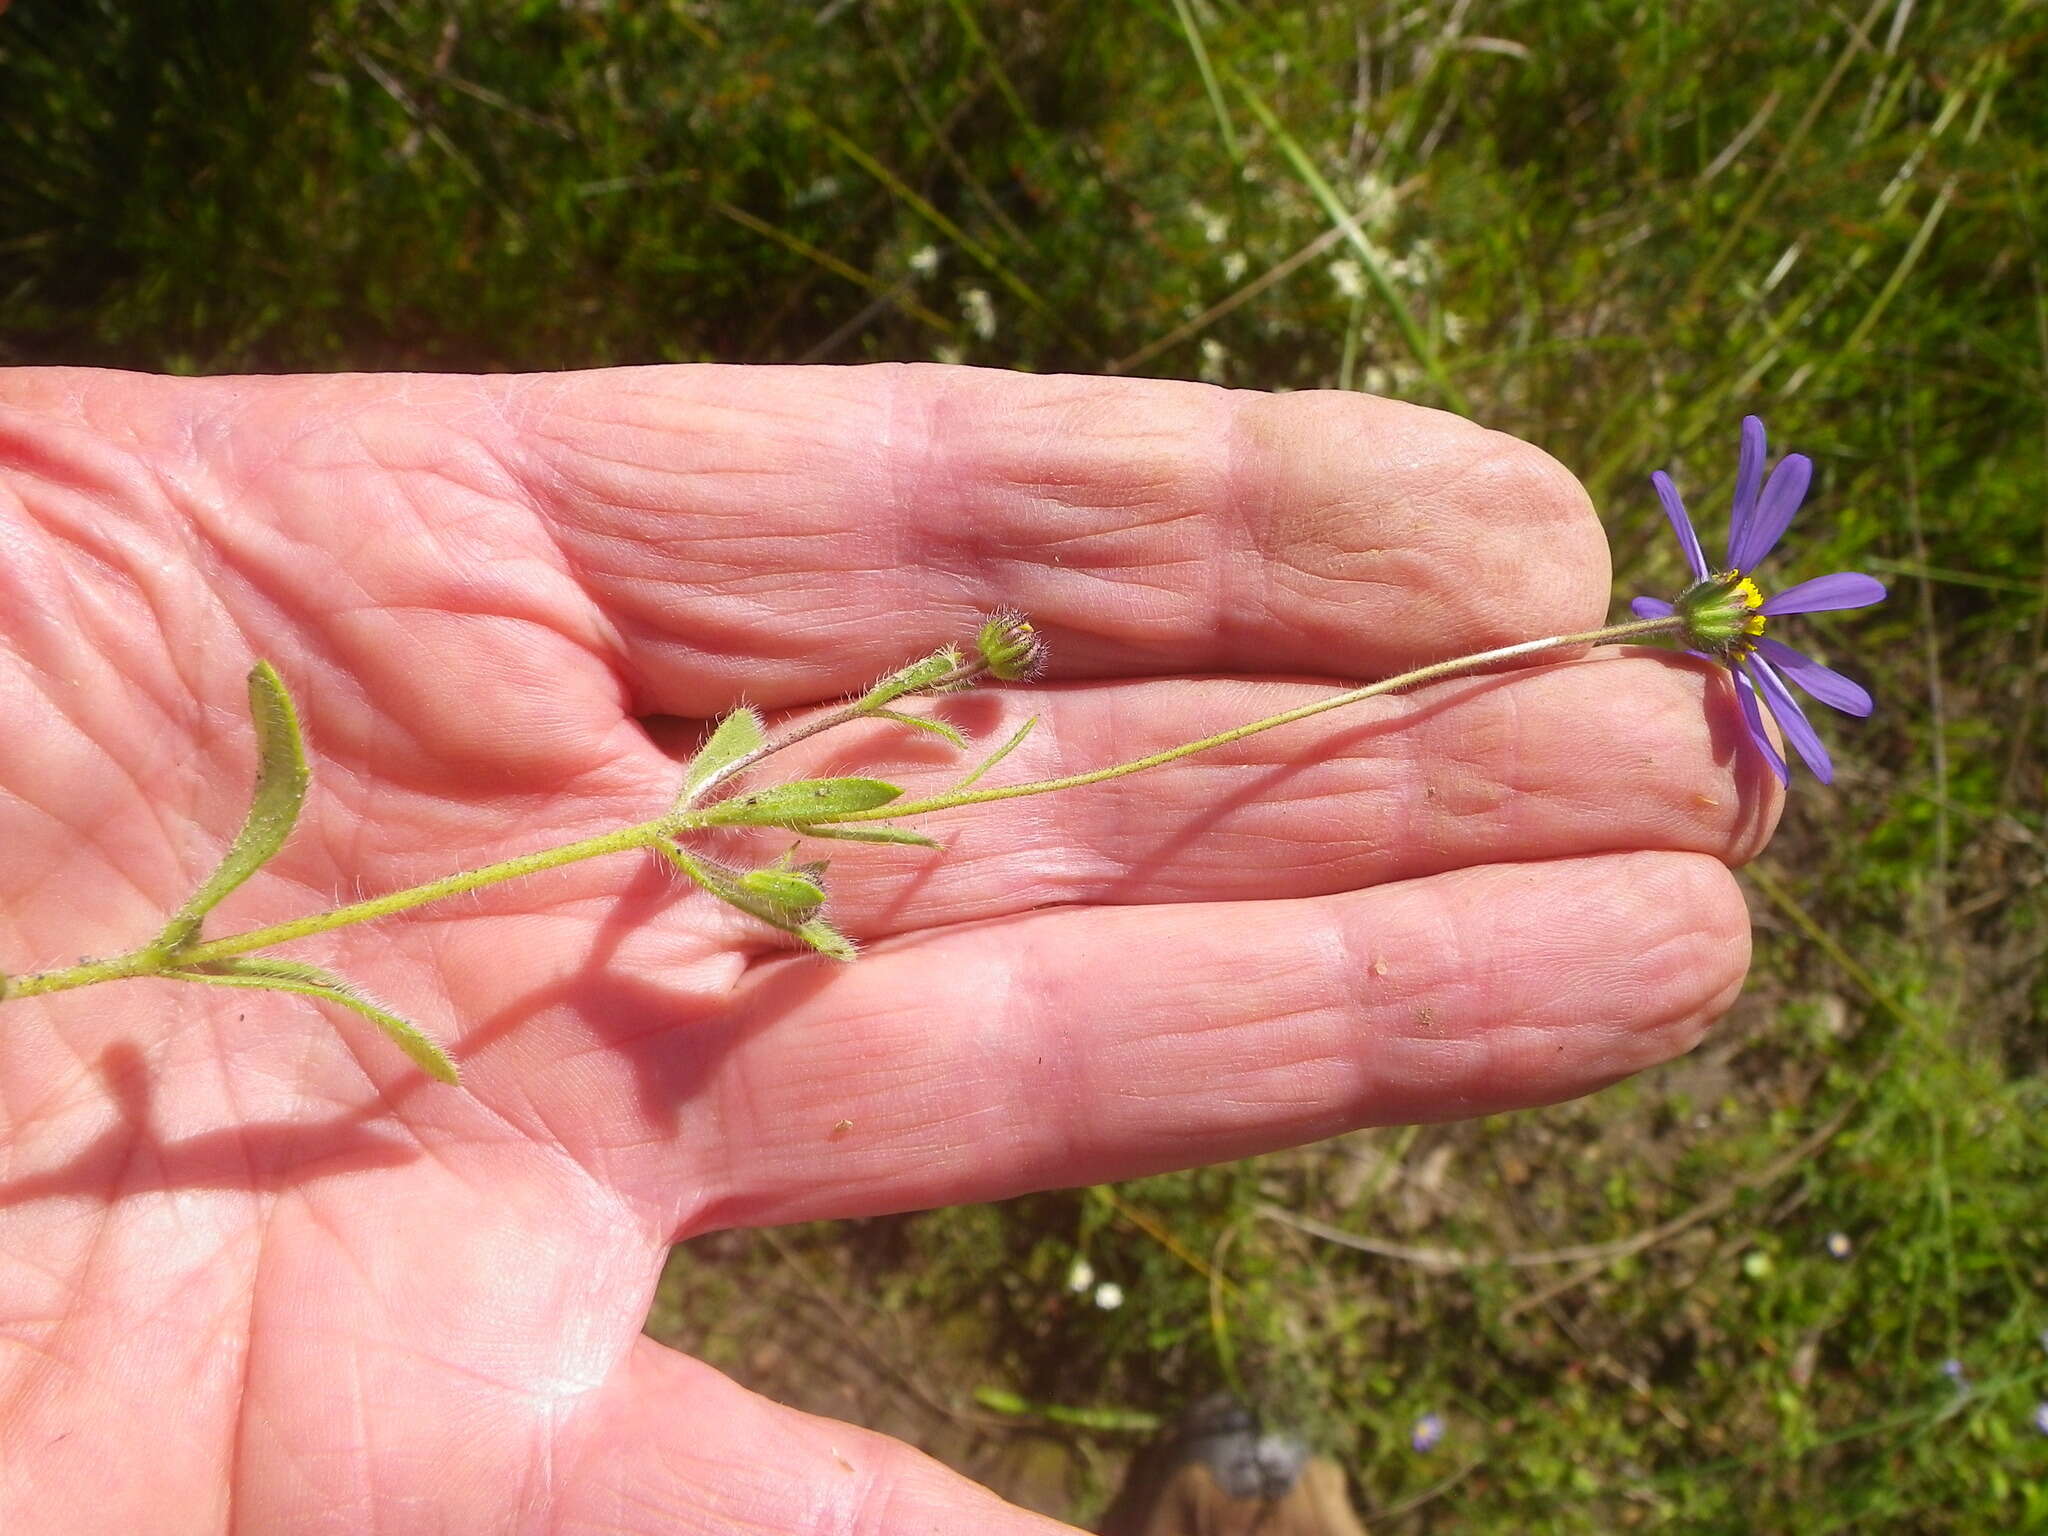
1368	257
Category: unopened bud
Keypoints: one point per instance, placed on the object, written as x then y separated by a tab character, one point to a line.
1010	647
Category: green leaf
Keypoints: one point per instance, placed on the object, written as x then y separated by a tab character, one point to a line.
310	981
732	888
738	734
786	805
281	778
784	888
827	940
742	891
996	756
924	723
875	832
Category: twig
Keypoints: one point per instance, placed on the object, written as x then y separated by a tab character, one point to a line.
1446	1260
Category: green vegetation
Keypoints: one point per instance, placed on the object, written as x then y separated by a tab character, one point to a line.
1608	227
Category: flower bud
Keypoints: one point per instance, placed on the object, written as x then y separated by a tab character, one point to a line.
1010	647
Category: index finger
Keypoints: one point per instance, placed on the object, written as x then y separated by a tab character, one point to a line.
787	533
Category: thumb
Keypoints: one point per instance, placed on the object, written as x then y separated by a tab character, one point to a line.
676	1447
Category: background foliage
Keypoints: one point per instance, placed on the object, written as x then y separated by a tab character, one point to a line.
1718	1299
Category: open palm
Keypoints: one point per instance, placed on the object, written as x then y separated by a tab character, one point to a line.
258	1274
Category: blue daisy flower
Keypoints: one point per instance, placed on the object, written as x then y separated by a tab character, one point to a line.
1726	613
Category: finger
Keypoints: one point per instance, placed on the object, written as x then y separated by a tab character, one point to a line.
787	533
1074	1046
1622	750
676	1447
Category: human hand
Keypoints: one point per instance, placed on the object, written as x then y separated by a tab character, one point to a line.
256	1273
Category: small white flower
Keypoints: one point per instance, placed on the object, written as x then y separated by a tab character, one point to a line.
1215	226
1215	356
1109	1295
1349	277
1080	1276
924	261
824	189
1376	200
1234	265
980	311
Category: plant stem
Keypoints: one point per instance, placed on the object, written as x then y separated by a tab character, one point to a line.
1435	672
145	962
856	709
152	961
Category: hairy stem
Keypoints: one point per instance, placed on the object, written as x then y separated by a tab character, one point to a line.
147	962
856	709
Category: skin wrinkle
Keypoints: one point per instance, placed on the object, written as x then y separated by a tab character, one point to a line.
1242	602
168	720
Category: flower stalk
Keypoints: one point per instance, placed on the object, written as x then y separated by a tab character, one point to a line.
837	807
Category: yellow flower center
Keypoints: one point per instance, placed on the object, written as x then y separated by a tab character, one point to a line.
1724	614
1752	599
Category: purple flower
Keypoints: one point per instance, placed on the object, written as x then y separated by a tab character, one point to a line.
1726	614
1428	1432
2041	1417
1954	1371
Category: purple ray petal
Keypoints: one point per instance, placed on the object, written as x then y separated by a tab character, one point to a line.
1745	694
1749	475
1791	718
1824	683
1753	538
1680	524
1650	608
1843	589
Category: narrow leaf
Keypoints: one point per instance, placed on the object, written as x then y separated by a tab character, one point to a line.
783	805
874	832
730	887
281	778
924	723
738	734
827	940
996	756
310	981
784	888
